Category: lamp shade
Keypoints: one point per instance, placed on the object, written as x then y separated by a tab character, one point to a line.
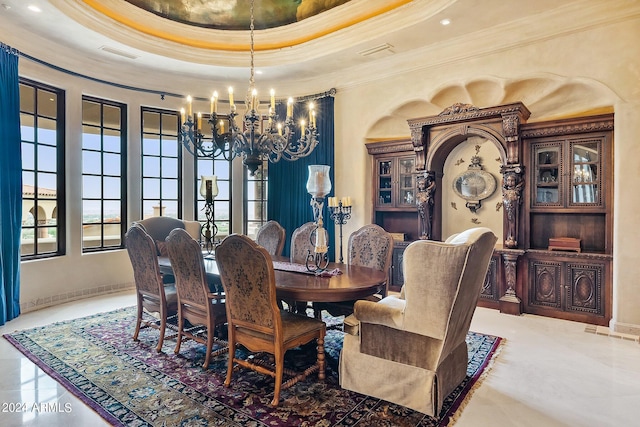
318	184
208	187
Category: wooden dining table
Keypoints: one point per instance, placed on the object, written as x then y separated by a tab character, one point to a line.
294	283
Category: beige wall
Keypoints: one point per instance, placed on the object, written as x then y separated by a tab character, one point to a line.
575	73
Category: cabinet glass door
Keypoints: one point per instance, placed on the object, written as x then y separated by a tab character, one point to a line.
547	175
585	162
384	183
406	181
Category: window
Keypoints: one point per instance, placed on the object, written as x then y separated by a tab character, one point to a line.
206	166
161	164
43	197
256	200
104	169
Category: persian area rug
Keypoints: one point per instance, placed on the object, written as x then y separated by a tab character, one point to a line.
129	384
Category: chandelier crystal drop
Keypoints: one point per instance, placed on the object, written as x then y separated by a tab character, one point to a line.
254	140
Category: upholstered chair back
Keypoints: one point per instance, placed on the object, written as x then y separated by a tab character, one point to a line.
371	246
144	260
271	236
443	282
159	227
188	268
246	272
301	242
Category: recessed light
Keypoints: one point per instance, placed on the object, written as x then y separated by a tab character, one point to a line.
445	21
34	8
258	71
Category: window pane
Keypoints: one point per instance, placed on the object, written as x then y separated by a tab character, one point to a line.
91	162
112	141
91	187
47	131
111	188
151	166
91	211
150	146
170	208
150	122
27	131
169	189
47	103
91	113
170	147
47	158
91	138
28	156
151	188
111	116
169	168
111	164
27	98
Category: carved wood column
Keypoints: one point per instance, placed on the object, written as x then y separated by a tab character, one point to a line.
512	186
510	303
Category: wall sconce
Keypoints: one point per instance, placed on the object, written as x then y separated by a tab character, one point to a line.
209	190
318	185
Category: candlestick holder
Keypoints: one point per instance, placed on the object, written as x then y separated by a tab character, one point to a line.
340	214
318	259
209	230
318	185
209	190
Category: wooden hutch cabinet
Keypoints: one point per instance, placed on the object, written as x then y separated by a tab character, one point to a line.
570	197
556	255
394	191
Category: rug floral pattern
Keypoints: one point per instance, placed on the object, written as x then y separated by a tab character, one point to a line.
129	384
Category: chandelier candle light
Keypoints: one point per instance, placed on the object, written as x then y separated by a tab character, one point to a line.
340	213
209	190
275	142
318	185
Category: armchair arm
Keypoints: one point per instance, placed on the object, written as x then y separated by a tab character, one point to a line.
388	311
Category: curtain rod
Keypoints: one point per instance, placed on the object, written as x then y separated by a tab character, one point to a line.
330	92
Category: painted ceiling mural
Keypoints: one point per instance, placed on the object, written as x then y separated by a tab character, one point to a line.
234	14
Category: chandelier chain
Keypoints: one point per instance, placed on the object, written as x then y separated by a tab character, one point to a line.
251	28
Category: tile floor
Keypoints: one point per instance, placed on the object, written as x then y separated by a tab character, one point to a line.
549	373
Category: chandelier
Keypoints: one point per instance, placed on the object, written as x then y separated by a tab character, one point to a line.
274	142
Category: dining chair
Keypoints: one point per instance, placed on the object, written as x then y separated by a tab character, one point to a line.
301	243
151	293
369	246
254	319
271	236
196	304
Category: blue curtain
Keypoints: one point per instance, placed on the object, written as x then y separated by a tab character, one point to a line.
288	198
10	185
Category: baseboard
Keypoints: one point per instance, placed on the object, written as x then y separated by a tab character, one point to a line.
608	332
626	328
49	301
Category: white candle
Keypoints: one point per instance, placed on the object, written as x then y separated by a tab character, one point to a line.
231	97
280	129
214	102
199	121
273	99
182	113
189	100
254	99
221	126
289	107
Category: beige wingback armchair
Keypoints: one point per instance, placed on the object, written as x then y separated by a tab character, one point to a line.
411	349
